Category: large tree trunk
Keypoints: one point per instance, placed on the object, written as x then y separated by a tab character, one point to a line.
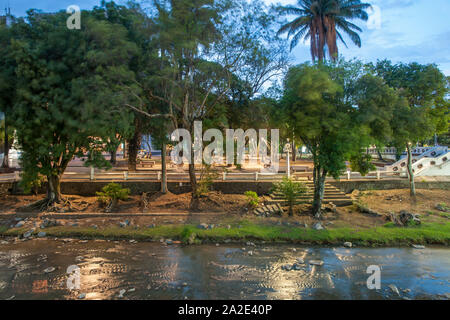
412	185
380	156
113	159
294	153
163	169
54	189
319	190
193	180
133	146
5	163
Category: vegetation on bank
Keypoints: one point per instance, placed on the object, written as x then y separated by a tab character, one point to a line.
427	233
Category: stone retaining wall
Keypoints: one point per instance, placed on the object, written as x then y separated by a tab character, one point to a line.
349	186
84	188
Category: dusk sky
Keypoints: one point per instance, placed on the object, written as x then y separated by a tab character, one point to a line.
410	30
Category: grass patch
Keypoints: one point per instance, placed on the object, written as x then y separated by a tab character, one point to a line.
389	234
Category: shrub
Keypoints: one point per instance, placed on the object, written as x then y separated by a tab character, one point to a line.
207	176
111	194
362	163
31	183
252	199
290	191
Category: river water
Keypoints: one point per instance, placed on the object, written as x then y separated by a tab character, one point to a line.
124	270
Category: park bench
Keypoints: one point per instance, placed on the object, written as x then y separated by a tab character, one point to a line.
145	163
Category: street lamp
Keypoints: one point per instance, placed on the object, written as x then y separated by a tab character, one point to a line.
287	149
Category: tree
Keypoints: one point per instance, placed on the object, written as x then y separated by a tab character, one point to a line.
7	87
424	109
331	109
199	55
290	191
64	92
322	21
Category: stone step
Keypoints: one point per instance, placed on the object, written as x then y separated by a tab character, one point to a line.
331	194
340	202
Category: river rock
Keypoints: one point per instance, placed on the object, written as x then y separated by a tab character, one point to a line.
82	296
296	266
250	253
348	244
300	261
250	244
405	218
28	234
418	246
49	223
442	207
169	241
203	226
42	257
318	226
41	234
19	224
123	225
394	289
286	267
49	269
316	262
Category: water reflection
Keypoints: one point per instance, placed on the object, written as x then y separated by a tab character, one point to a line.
120	270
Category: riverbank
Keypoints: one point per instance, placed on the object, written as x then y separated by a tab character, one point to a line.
387	235
368	222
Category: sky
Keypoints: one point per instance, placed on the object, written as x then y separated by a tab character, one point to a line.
400	30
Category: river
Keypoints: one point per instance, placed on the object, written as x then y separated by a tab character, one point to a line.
124	270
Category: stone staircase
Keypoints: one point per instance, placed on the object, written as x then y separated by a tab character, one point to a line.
331	194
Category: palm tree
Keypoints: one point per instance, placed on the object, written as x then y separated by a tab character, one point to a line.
322	21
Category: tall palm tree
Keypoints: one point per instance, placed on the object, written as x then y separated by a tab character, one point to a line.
322	21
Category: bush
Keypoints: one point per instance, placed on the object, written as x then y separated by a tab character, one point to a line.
112	193
290	191
362	163
207	176
252	199
31	182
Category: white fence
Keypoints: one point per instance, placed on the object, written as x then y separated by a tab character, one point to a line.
184	177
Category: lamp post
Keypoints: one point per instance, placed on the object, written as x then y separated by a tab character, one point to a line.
287	149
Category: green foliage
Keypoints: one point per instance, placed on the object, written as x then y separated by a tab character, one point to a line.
206	180
290	191
31	182
388	235
112	192
322	22
252	199
66	87
362	163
